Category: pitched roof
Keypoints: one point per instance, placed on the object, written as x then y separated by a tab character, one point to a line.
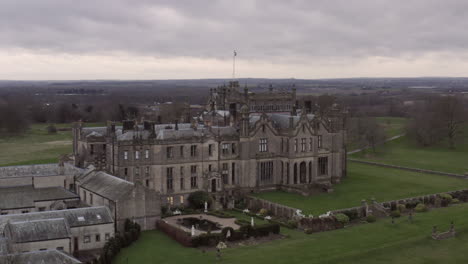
41	257
106	185
38	230
74	217
25	196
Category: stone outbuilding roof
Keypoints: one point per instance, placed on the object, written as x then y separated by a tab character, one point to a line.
106	185
40	257
38	170
37	230
74	217
25	196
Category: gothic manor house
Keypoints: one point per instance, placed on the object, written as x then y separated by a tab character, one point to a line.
242	142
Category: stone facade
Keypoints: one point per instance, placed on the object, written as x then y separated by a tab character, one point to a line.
256	148
125	200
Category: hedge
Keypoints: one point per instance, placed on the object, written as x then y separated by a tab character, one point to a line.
113	246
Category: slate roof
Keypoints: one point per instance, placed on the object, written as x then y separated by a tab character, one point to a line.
74	217
41	257
106	185
26	196
280	121
37	170
38	230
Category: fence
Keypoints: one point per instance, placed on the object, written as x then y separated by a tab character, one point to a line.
279	210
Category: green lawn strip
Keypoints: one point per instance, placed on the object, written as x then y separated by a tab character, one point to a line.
404	152
35	146
393	126
366	182
366	243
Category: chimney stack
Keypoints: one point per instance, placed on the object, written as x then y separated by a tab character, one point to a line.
176	124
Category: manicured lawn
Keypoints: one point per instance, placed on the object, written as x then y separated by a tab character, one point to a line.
379	242
35	146
365	182
404	152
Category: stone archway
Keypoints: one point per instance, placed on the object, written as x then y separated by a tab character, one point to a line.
302	172
295	173
214	185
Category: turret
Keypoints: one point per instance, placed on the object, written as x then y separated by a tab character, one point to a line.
244	124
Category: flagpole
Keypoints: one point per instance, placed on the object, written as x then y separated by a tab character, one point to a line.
234	65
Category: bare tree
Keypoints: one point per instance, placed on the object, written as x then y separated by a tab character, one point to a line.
452	115
436	119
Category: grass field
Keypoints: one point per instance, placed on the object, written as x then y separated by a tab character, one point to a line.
365	182
393	126
379	242
404	152
36	146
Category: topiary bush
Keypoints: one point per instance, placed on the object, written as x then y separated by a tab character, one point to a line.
446	199
263	212
401	208
395	213
241	222
197	199
420	208
292	223
371	219
342	218
353	215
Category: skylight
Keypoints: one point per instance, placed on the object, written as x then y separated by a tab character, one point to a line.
81	218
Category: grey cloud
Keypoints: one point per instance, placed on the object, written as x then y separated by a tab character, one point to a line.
276	29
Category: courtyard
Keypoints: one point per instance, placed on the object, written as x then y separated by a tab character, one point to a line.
202	223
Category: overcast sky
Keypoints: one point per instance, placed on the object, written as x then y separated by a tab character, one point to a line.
181	39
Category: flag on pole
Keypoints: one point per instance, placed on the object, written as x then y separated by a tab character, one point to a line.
235	53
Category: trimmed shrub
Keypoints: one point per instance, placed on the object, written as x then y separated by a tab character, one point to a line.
263	212
454	201
395	213
246	230
197	199
420	208
308	231
242	222
207	239
353	215
292	224
446	199
265	230
220	214
401	208
371	219
412	204
342	218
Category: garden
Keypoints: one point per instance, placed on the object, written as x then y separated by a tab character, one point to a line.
403	241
